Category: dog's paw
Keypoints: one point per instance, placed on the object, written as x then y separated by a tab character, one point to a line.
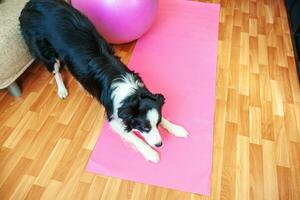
151	155
62	92
179	131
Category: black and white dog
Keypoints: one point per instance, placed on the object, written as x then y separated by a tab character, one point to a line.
58	34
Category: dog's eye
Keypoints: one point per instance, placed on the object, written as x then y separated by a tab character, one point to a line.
146	129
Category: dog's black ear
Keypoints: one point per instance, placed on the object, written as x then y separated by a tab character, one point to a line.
125	112
160	98
128	109
144	95
156	97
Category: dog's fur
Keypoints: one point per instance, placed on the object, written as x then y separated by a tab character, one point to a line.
57	34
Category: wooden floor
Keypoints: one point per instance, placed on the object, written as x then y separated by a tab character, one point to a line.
44	145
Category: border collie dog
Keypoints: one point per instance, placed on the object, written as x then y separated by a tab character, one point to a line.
57	34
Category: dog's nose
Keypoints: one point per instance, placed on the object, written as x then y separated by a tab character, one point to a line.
159	144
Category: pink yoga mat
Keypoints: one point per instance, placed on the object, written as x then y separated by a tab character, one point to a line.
177	58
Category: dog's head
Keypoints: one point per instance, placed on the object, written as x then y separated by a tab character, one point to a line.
142	112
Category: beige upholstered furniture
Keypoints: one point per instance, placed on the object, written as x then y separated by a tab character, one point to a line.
14	55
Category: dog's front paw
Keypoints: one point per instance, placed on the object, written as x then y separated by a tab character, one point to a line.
179	131
151	155
62	92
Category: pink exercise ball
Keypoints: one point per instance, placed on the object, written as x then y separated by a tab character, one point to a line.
119	21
